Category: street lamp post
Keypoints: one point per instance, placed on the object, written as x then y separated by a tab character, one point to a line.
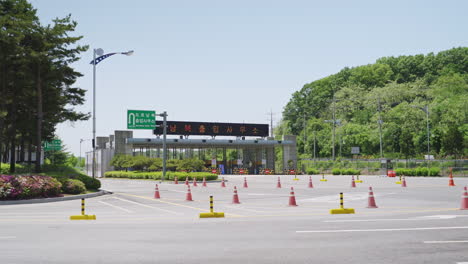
425	109
94	62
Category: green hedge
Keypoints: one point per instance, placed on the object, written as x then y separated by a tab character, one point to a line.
63	173
421	171
337	171
157	175
73	187
312	171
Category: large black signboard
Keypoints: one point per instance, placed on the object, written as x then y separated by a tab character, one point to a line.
212	129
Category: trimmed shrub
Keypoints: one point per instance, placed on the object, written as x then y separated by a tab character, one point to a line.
62	173
420	171
73	187
90	182
350	172
312	171
336	171
157	175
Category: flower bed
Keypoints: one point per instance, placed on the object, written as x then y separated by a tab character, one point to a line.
28	187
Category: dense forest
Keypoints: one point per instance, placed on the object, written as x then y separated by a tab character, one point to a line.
401	92
36	79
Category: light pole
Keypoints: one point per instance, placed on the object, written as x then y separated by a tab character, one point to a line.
425	109
81	141
380	128
94	62
164	116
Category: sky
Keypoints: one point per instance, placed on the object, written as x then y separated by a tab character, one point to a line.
234	61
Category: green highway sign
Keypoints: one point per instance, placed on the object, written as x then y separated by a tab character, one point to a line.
141	119
55	144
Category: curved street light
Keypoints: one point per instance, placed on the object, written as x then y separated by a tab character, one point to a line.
99	52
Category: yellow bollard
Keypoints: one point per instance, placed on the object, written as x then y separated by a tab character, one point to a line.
342	210
358	180
323	178
211	213
83	216
399	182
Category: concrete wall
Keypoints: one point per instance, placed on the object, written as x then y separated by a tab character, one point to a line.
121	147
289	153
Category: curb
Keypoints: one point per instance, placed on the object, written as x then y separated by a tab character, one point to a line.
56	199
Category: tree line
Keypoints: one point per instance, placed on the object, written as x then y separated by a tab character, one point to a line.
399	91
36	79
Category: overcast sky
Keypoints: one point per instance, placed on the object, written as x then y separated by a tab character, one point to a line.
234	61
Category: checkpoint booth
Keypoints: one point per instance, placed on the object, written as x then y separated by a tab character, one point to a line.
230	148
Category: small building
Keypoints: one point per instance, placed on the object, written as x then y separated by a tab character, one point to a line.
251	150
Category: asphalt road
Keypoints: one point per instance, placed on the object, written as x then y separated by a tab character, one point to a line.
418	224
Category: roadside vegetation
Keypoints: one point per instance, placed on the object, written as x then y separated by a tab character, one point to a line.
37	80
142	167
395	90
59	176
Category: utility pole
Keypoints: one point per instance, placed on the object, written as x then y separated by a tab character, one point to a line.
334	123
271	122
164	116
380	128
305	133
314	144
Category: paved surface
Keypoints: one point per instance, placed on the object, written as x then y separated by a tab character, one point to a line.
417	224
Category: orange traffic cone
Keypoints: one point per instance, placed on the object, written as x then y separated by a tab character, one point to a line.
195	182
156	193
186	181
278	185
464	202
204	182
176	181
403	182
222	183
451	183
371	200
292	198
245	183
353	183
189	194
310	182
235	197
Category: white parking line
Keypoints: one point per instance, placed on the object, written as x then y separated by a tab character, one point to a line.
446	242
118	207
148	206
244	209
384	229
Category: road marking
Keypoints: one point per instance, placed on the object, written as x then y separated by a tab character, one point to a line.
166	202
118	207
418	218
148	206
177	191
245	209
442	216
446	242
385	229
371	220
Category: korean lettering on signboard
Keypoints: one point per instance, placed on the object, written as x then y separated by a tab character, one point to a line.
212	129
